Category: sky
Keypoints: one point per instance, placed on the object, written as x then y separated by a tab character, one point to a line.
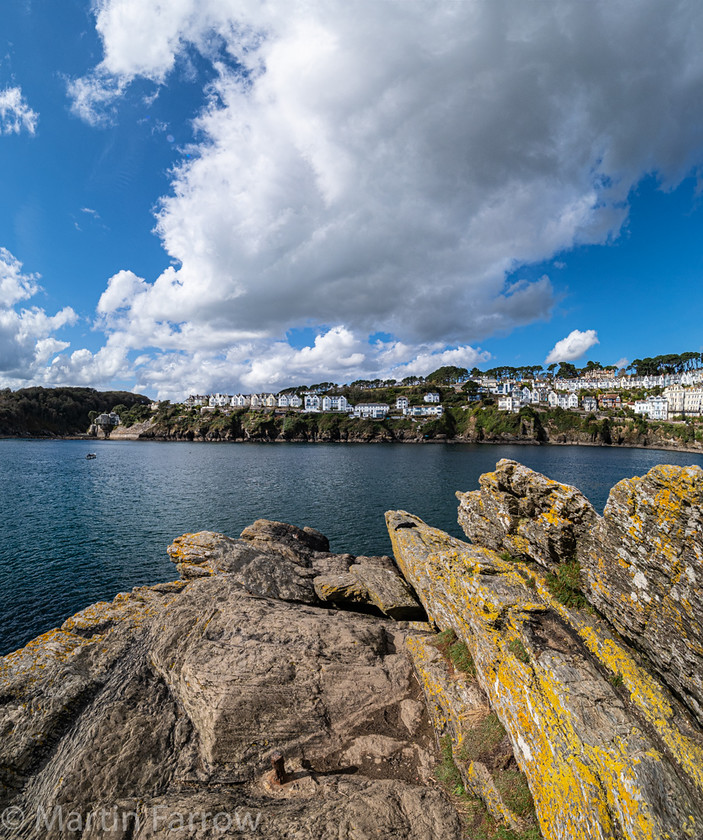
242	195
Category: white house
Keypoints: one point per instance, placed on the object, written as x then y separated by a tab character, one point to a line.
240	400
432	397
565	401
675	397
289	401
401	404
656	408
589	404
375	411
507	403
425	411
219	400
335	404
693	401
256	401
197	399
108	419
313	402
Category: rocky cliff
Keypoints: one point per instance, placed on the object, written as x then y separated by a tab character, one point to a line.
547	674
585	634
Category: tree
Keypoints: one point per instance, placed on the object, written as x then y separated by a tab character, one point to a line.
567	371
470	387
448	375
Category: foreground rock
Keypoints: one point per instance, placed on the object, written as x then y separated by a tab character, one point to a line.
609	750
166	707
641	563
242	699
295	564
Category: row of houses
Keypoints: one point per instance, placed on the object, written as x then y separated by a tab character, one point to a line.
520	397
596	381
675	401
313	402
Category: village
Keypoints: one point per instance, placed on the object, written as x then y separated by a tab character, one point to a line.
665	396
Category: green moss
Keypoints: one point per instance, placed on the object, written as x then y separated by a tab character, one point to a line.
615	680
455	651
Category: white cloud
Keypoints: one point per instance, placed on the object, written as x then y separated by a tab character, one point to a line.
26	335
15	113
93	97
387	166
573	346
337	355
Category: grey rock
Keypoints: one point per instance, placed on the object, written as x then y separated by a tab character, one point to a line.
172	699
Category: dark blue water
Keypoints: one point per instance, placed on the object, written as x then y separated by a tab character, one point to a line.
76	531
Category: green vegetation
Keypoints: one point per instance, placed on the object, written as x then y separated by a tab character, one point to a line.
447	375
565	585
615	680
668	363
482	740
518	650
47	412
455	651
479	824
447	772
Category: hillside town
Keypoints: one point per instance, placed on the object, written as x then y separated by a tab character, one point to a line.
663	396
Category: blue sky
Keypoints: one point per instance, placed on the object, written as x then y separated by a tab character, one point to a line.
230	195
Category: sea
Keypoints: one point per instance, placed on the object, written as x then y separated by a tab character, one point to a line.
78	530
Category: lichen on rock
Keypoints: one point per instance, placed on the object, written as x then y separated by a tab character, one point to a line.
597	736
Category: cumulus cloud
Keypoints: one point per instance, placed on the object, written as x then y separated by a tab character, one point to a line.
337	355
389	166
15	113
573	346
26	334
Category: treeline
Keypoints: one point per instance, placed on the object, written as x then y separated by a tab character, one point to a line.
669	363
52	412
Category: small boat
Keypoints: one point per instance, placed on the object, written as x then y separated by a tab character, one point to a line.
91	455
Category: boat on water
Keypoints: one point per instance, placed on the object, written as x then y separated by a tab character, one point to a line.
91	455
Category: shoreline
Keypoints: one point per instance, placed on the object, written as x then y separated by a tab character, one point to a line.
429	441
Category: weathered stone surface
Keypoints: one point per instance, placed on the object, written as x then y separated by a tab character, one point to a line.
175	697
271	559
642	566
374	584
608	751
522	512
341	589
641	563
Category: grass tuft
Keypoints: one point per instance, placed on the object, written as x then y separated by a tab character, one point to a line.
518	650
565	585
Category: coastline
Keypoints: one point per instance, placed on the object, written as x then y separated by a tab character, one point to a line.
136	438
